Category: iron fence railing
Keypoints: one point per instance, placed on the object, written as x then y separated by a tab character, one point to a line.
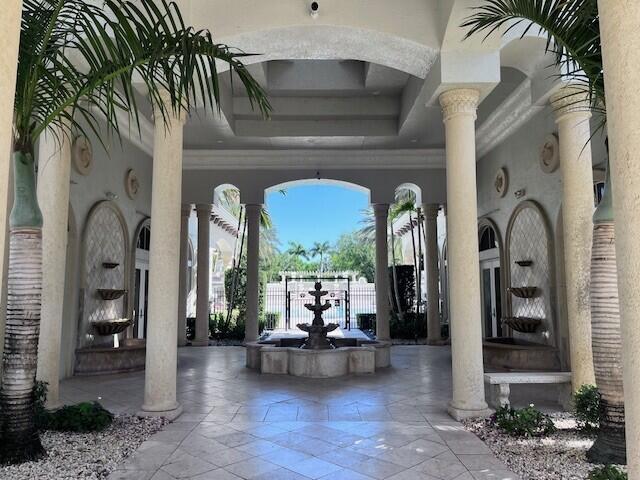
284	306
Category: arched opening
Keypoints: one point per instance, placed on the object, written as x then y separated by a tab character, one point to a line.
491	278
140	296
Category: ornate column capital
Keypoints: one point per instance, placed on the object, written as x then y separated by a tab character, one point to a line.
203	209
381	209
185	211
459	102
571	100
430	210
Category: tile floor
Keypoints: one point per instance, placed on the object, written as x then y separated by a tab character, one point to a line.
239	424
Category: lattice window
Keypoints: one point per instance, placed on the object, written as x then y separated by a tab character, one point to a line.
105	241
529	267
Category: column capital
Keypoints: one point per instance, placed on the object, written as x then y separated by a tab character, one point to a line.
459	101
185	211
430	210
380	209
203	209
571	100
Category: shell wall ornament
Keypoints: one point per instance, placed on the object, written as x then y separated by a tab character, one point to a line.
501	182
82	154
132	184
549	154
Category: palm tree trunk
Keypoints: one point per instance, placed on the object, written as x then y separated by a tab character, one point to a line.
609	446
394	276
606	338
20	439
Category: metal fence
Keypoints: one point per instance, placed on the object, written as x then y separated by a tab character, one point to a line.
284	304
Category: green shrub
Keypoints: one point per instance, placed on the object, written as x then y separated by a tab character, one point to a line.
526	422
608	472
406	282
366	321
586	402
412	325
39	400
83	417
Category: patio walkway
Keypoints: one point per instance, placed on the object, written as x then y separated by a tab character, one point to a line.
239	424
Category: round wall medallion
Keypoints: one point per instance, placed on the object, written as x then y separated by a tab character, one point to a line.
82	154
549	154
501	182
132	184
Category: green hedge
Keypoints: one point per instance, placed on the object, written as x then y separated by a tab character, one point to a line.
405	276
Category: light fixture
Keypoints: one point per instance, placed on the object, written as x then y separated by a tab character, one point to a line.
520	193
111	196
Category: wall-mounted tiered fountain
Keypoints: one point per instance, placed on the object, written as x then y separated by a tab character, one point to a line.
317	354
104	314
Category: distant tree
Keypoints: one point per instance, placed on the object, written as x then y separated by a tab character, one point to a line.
320	249
297	250
353	253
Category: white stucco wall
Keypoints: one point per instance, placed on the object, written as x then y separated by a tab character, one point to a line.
107	175
519	155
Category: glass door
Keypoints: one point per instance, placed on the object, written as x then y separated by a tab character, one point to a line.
491	301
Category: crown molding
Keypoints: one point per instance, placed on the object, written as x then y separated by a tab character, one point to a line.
310	159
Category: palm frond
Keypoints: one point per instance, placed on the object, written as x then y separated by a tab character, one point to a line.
572	34
79	63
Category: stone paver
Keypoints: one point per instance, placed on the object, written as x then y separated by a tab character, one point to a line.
239	424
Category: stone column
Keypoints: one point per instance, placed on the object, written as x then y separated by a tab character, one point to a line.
459	112
203	276
619	20
183	272
381	211
164	259
253	271
10	16
433	275
54	176
571	106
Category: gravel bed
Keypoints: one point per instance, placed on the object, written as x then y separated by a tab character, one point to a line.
560	456
86	455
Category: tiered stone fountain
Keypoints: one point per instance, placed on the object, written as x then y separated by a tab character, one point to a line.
317	355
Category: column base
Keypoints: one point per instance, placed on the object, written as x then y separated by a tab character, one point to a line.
200	343
53	405
459	414
170	415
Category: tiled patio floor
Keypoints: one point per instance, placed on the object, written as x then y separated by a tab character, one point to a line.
239	424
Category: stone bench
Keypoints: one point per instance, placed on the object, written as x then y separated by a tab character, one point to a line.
499	384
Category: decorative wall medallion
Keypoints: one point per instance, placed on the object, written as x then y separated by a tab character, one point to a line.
501	182
82	154
132	184
549	154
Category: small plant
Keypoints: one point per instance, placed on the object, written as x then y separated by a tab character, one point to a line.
83	417
586	402
607	472
39	399
526	422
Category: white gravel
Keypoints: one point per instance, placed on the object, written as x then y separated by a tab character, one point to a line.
86	455
561	456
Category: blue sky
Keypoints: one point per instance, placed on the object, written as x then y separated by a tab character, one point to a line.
315	213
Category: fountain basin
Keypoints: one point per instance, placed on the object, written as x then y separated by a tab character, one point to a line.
285	357
517	354
130	357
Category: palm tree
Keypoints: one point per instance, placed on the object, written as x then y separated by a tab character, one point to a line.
76	68
297	250
320	249
573	35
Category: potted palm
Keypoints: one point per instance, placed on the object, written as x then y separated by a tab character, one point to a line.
76	69
573	35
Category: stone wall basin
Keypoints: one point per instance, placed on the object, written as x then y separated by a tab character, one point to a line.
516	354
107	360
285	357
